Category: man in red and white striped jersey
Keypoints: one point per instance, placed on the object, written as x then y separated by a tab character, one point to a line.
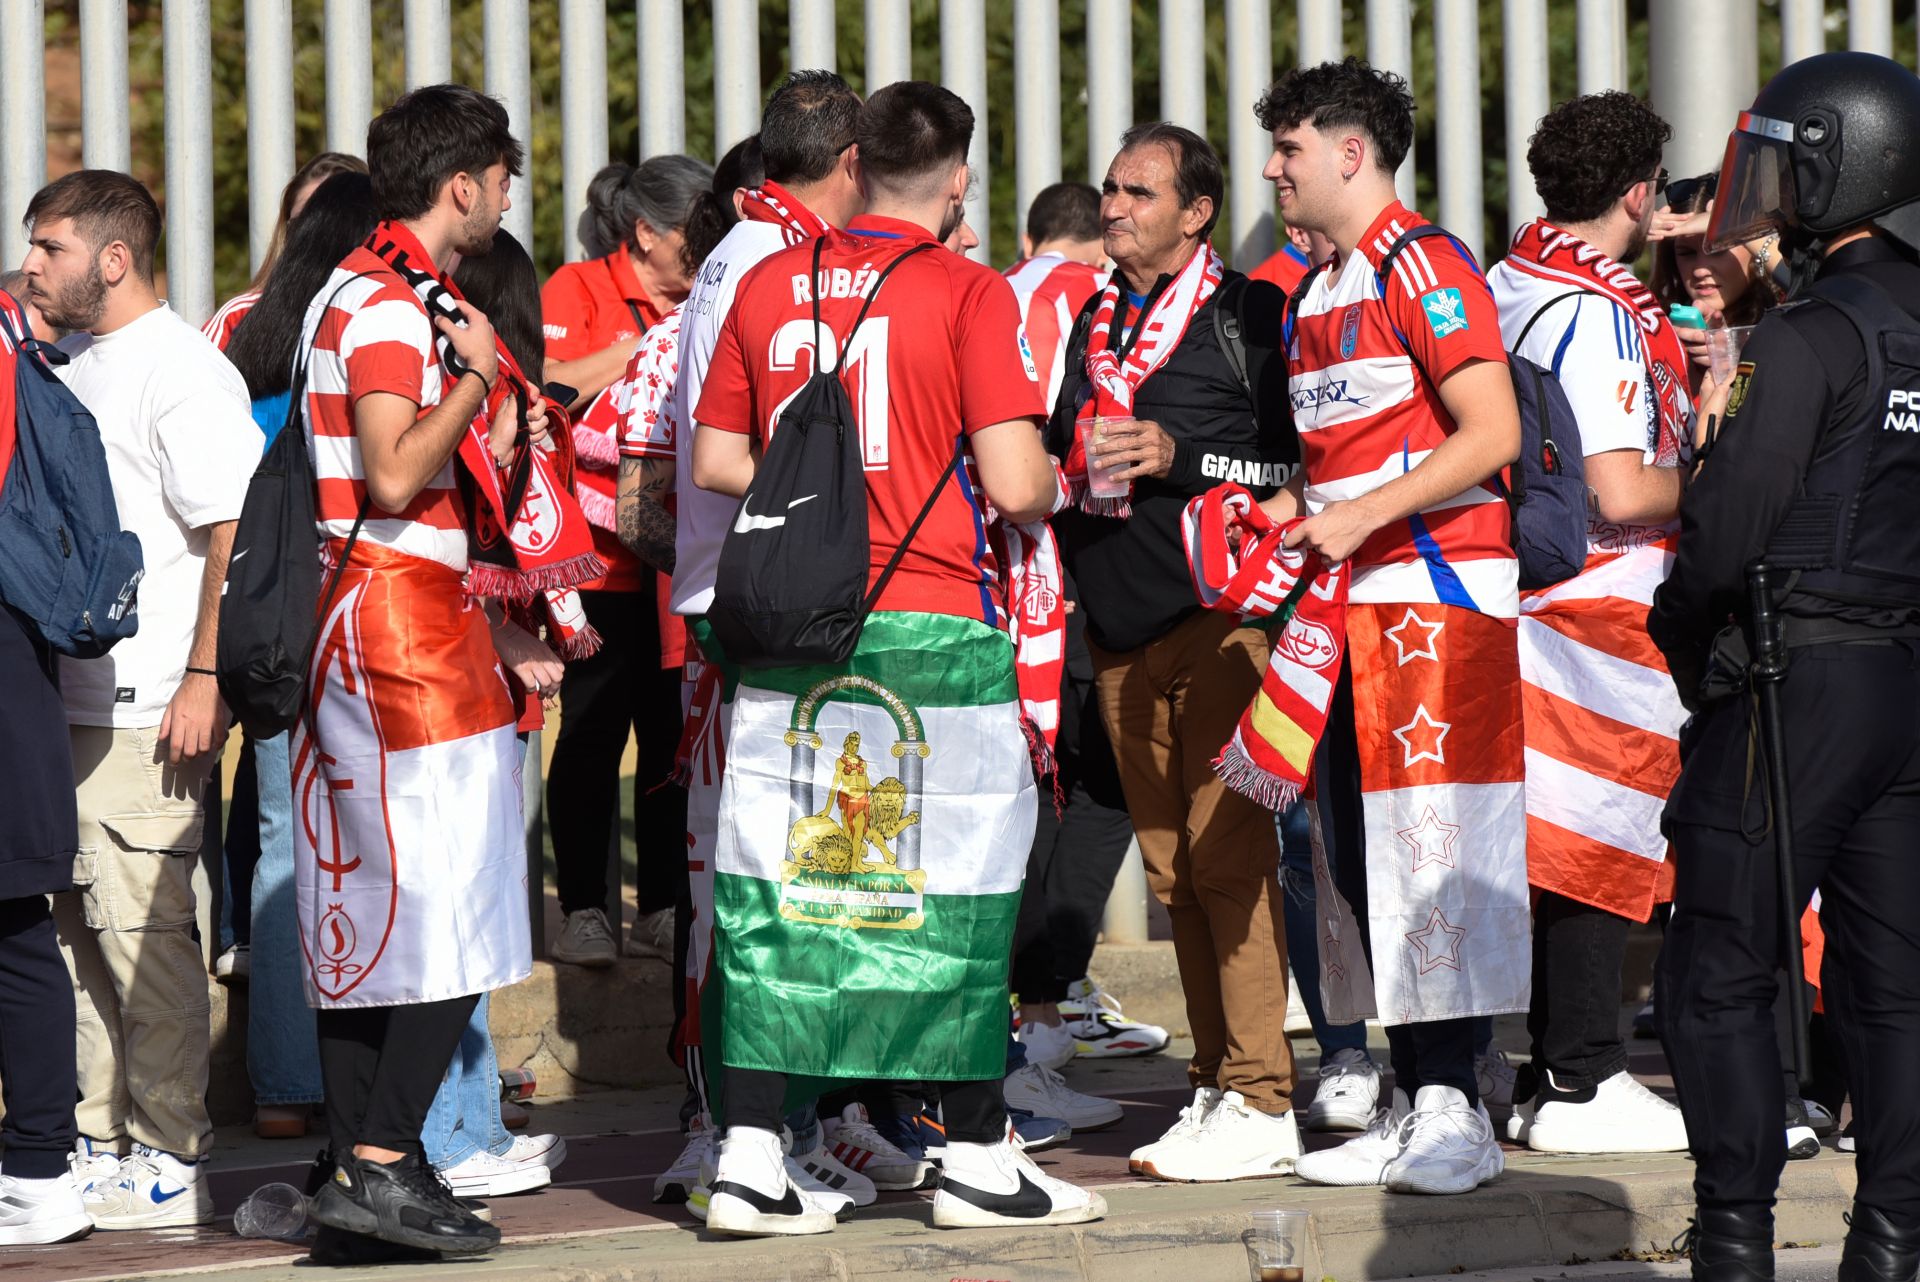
1603	717
1405	409
1065	264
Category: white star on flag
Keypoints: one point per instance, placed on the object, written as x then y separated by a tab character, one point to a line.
1432	736
1431	839
1439	943
1420	647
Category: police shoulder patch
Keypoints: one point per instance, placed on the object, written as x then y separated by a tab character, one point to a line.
1737	390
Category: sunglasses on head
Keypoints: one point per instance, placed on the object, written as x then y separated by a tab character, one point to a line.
1684	192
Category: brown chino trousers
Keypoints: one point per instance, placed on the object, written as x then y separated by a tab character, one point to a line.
1212	856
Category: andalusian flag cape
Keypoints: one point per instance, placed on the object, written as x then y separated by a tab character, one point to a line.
875	821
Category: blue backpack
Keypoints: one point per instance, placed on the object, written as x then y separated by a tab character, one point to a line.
65	562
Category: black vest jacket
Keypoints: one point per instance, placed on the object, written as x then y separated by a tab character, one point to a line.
1852	536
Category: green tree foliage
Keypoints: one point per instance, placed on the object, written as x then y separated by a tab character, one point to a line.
623	35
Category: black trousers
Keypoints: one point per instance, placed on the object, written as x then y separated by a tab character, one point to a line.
621	687
241	843
972	1112
1076	854
1574	1022
36	1042
381	1065
1852	716
1434	1053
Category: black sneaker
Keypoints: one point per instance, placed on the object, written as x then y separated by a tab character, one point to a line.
404	1203
338	1248
1803	1138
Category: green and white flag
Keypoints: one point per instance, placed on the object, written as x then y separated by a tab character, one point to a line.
874	827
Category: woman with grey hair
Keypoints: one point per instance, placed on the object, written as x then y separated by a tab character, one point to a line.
634	228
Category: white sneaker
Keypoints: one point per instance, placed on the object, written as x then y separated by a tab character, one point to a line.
1620	1116
1299	1023
1348	1094
852	1139
675	1184
585	940
150	1190
1237	1142
652	936
36	1212
1494	1073
91	1161
1049	1045
995	1185
488	1174
1037	1089
753	1195
1449	1146
235	966
1364	1159
1191	1119
1100	1030
829	1172
702	1191
548	1150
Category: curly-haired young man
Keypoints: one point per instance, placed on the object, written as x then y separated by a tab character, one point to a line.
1601	712
1405	408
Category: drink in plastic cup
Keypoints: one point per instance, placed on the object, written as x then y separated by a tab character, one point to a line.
1723	350
1277	1246
1099	484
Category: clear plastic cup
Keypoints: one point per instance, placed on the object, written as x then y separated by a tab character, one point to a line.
277	1211
1724	343
1099	483
1277	1246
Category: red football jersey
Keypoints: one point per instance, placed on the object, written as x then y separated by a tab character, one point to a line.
937	315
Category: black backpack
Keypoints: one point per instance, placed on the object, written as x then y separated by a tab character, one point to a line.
65	562
792	583
1548	494
269	611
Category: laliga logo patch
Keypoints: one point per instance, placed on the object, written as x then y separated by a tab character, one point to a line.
1350	332
1446	312
1026	356
1309	643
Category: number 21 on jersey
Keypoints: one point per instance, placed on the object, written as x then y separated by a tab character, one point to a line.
866	362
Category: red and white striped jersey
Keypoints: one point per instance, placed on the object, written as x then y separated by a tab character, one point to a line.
373	335
1363	372
221	324
1052	289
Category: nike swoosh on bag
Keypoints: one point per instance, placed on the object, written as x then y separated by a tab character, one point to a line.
746	524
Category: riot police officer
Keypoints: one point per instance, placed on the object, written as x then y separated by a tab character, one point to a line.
1816	470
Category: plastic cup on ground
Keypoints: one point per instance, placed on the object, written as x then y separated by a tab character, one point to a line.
1277	1246
276	1211
1099	483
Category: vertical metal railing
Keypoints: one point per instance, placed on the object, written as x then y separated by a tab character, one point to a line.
1109	81
105	127
1870	26
349	46
810	35
1036	102
889	42
1319	29
1602	36
270	159
1803	29
509	78
1183	63
736	71
1701	109
663	87
429	44
23	116
1524	58
1249	72
1390	47
583	107
186	34
963	69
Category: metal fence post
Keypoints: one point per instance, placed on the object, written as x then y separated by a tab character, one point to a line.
583	109
510	79
1125	918
1249	72
663	88
349	39
23	117
1390	48
1456	91
1700	98
1870	26
186	34
736	72
270	159
810	35
428	43
1524	56
105	139
1109	81
1602	34
963	69
1183	63
1036	102
889	43
1319	32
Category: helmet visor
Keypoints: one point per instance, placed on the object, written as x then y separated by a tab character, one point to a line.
1755	192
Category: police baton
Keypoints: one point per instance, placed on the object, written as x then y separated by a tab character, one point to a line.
1768	670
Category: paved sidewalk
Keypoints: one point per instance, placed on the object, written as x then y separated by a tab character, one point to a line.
597	1224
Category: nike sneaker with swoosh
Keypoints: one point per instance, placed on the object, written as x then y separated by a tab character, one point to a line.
752	1195
151	1189
36	1212
405	1203
997	1185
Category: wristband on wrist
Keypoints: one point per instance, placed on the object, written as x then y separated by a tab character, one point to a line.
203	672
485	386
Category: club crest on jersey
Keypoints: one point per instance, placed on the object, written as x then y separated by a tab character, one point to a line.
1350	332
1446	312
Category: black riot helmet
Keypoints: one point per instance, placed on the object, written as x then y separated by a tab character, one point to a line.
1832	142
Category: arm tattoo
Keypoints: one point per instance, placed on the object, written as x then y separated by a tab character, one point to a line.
646	527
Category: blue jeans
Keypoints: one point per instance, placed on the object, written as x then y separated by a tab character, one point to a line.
283	1054
1300	905
465	1116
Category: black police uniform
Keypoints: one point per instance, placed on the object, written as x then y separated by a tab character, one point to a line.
1815	465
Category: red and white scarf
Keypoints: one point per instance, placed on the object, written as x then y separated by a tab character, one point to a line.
1116	378
772	203
547	547
1240	567
1542	250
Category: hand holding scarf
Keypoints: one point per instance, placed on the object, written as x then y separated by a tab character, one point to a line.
1241	566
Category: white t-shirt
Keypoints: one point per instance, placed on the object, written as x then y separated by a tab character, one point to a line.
181	447
1596	349
701	517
